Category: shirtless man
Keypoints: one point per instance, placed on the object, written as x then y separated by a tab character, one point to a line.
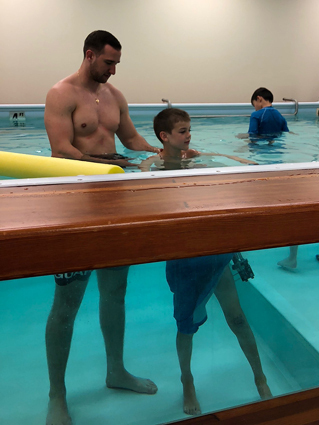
82	115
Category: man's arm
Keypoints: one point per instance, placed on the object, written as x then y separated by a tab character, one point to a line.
59	126
127	133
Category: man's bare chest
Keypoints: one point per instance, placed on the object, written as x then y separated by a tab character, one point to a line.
93	113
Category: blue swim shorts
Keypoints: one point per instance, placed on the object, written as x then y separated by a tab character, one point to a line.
193	281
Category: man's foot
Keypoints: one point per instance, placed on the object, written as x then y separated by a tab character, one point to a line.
191	404
58	412
288	263
126	381
263	389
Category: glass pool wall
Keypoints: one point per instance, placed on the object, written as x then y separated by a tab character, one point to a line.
279	304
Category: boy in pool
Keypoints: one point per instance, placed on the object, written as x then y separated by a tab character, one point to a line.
194	280
172	128
266	122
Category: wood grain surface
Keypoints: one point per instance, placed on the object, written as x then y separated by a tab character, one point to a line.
59	228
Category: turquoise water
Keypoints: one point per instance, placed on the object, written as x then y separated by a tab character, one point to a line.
281	307
208	135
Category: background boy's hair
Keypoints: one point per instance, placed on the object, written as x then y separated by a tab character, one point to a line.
166	120
264	93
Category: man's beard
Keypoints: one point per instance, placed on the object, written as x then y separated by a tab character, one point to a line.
98	77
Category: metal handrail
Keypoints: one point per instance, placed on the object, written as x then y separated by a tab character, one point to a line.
169	105
296	105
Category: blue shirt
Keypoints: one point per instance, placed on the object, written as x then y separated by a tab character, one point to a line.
267	121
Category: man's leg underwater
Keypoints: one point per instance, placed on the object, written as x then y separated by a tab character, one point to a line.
59	331
112	286
227	297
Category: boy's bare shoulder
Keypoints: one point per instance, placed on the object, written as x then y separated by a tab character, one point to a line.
191	153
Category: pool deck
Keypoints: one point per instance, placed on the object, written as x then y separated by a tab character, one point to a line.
52	229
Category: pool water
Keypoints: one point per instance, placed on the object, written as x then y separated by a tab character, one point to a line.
208	135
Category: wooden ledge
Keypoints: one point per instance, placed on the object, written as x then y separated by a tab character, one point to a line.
52	229
300	408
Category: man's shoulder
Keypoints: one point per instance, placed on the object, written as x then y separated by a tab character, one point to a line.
117	96
63	94
67	83
114	91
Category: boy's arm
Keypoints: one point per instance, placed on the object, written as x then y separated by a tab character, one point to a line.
253	124
235	158
253	128
285	126
190	153
147	163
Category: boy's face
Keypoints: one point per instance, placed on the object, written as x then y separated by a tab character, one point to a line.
180	136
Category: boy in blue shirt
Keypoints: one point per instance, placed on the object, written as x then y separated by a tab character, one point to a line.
265	121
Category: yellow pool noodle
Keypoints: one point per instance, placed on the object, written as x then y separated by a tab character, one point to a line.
27	166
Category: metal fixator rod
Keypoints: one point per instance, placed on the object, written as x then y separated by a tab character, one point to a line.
169	105
296	105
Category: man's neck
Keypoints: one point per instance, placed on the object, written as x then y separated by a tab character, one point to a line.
86	81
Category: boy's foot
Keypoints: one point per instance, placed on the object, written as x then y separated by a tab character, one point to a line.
126	381
317	257
263	389
288	263
58	412
191	405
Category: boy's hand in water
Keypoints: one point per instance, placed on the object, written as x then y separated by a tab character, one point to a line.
242	135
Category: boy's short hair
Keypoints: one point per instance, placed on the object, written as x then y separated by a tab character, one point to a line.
166	120
97	40
264	93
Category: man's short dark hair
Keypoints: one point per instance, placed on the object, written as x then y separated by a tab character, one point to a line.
166	120
264	93
98	39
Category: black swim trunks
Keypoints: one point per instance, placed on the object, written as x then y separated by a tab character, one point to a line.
112	156
63	279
